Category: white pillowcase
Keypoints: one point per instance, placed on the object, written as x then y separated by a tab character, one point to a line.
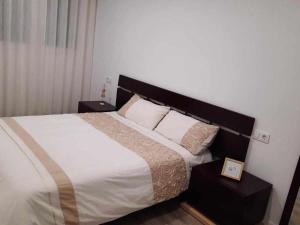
192	134
143	112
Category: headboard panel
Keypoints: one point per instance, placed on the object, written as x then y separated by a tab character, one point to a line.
232	140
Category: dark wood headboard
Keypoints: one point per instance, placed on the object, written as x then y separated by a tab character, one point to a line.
234	136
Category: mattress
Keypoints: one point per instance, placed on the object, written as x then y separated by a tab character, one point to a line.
86	169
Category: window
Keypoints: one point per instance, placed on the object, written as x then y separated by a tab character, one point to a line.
61	23
61	20
15	20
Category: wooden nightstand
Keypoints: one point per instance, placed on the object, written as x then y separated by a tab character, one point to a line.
225	201
95	106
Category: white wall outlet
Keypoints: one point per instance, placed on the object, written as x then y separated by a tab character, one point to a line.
108	80
261	136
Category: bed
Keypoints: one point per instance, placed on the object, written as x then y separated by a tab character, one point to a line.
92	168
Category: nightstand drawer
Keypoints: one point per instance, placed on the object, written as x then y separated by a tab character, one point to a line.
83	108
217	203
225	201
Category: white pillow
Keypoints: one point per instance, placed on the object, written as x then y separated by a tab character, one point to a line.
142	112
192	134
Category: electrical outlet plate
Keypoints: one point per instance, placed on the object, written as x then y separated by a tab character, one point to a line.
262	136
108	80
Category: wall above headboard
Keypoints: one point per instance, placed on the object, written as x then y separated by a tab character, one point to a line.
239	56
233	138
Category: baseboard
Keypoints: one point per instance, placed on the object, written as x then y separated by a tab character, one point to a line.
272	223
202	218
196	214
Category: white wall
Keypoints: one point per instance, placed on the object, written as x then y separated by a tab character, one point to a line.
242	55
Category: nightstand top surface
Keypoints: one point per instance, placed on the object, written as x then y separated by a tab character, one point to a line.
248	185
97	106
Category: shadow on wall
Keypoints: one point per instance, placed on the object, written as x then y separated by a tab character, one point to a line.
274	200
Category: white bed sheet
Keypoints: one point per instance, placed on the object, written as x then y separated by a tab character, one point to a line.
110	181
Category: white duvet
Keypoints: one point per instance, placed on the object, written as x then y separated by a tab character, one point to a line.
109	180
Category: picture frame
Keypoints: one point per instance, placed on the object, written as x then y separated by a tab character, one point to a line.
233	169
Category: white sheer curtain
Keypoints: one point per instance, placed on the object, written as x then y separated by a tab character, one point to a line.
45	55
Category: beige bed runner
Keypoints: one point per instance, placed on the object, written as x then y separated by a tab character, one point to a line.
168	168
63	182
